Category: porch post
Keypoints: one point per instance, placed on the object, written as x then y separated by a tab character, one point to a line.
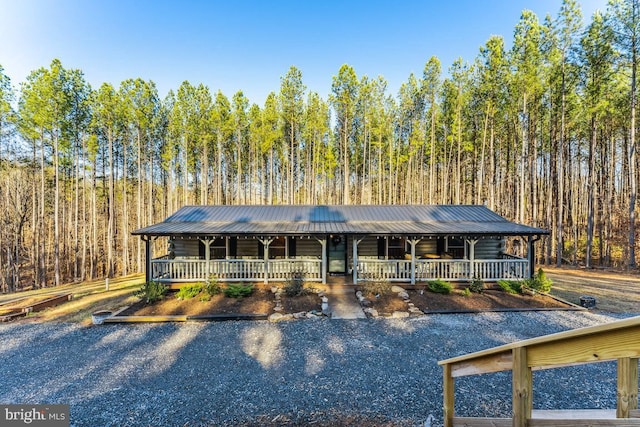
472	257
627	387
355	260
266	243
148	255
207	256
413	243
323	243
531	255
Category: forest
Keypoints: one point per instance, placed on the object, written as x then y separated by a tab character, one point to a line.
541	129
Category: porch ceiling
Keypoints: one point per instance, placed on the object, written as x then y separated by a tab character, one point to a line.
413	220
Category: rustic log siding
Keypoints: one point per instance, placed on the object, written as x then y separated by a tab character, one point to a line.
308	248
426	246
486	248
368	247
489	248
248	247
186	247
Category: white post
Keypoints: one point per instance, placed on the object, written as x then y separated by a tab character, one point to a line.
149	256
266	243
472	256
355	260
323	243
207	257
413	243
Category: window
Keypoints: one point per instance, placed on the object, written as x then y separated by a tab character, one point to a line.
219	249
391	248
396	248
278	248
455	247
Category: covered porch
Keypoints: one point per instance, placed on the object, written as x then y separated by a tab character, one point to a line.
326	259
404	244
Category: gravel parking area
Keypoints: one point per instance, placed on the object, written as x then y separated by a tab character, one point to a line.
326	372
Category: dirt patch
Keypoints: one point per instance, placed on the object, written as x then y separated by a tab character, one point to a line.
488	300
24	302
615	292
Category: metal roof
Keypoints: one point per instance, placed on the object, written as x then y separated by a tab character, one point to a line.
292	220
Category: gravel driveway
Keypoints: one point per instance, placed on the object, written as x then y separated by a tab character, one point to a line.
371	372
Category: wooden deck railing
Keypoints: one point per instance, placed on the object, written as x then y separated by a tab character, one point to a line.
394	270
618	341
251	270
391	270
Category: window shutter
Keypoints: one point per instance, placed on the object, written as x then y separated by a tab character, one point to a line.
260	249
233	247
382	246
292	246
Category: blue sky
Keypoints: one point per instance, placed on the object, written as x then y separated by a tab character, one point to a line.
248	45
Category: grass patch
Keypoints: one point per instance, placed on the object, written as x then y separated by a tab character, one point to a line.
88	297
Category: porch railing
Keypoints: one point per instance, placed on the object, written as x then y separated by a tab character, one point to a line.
282	269
392	270
237	269
310	269
445	269
252	270
178	270
514	268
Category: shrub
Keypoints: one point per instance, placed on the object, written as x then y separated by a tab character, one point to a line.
152	291
211	288
466	292
476	286
295	286
440	287
189	291
540	283
510	286
238	290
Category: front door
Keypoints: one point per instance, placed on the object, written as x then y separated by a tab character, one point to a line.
337	254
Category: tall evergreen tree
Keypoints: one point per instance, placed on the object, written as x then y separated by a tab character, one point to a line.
625	20
292	92
344	95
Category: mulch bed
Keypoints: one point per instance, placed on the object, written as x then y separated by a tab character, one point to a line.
386	304
488	300
261	301
301	303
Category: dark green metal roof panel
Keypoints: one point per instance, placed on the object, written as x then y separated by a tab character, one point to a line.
338	219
